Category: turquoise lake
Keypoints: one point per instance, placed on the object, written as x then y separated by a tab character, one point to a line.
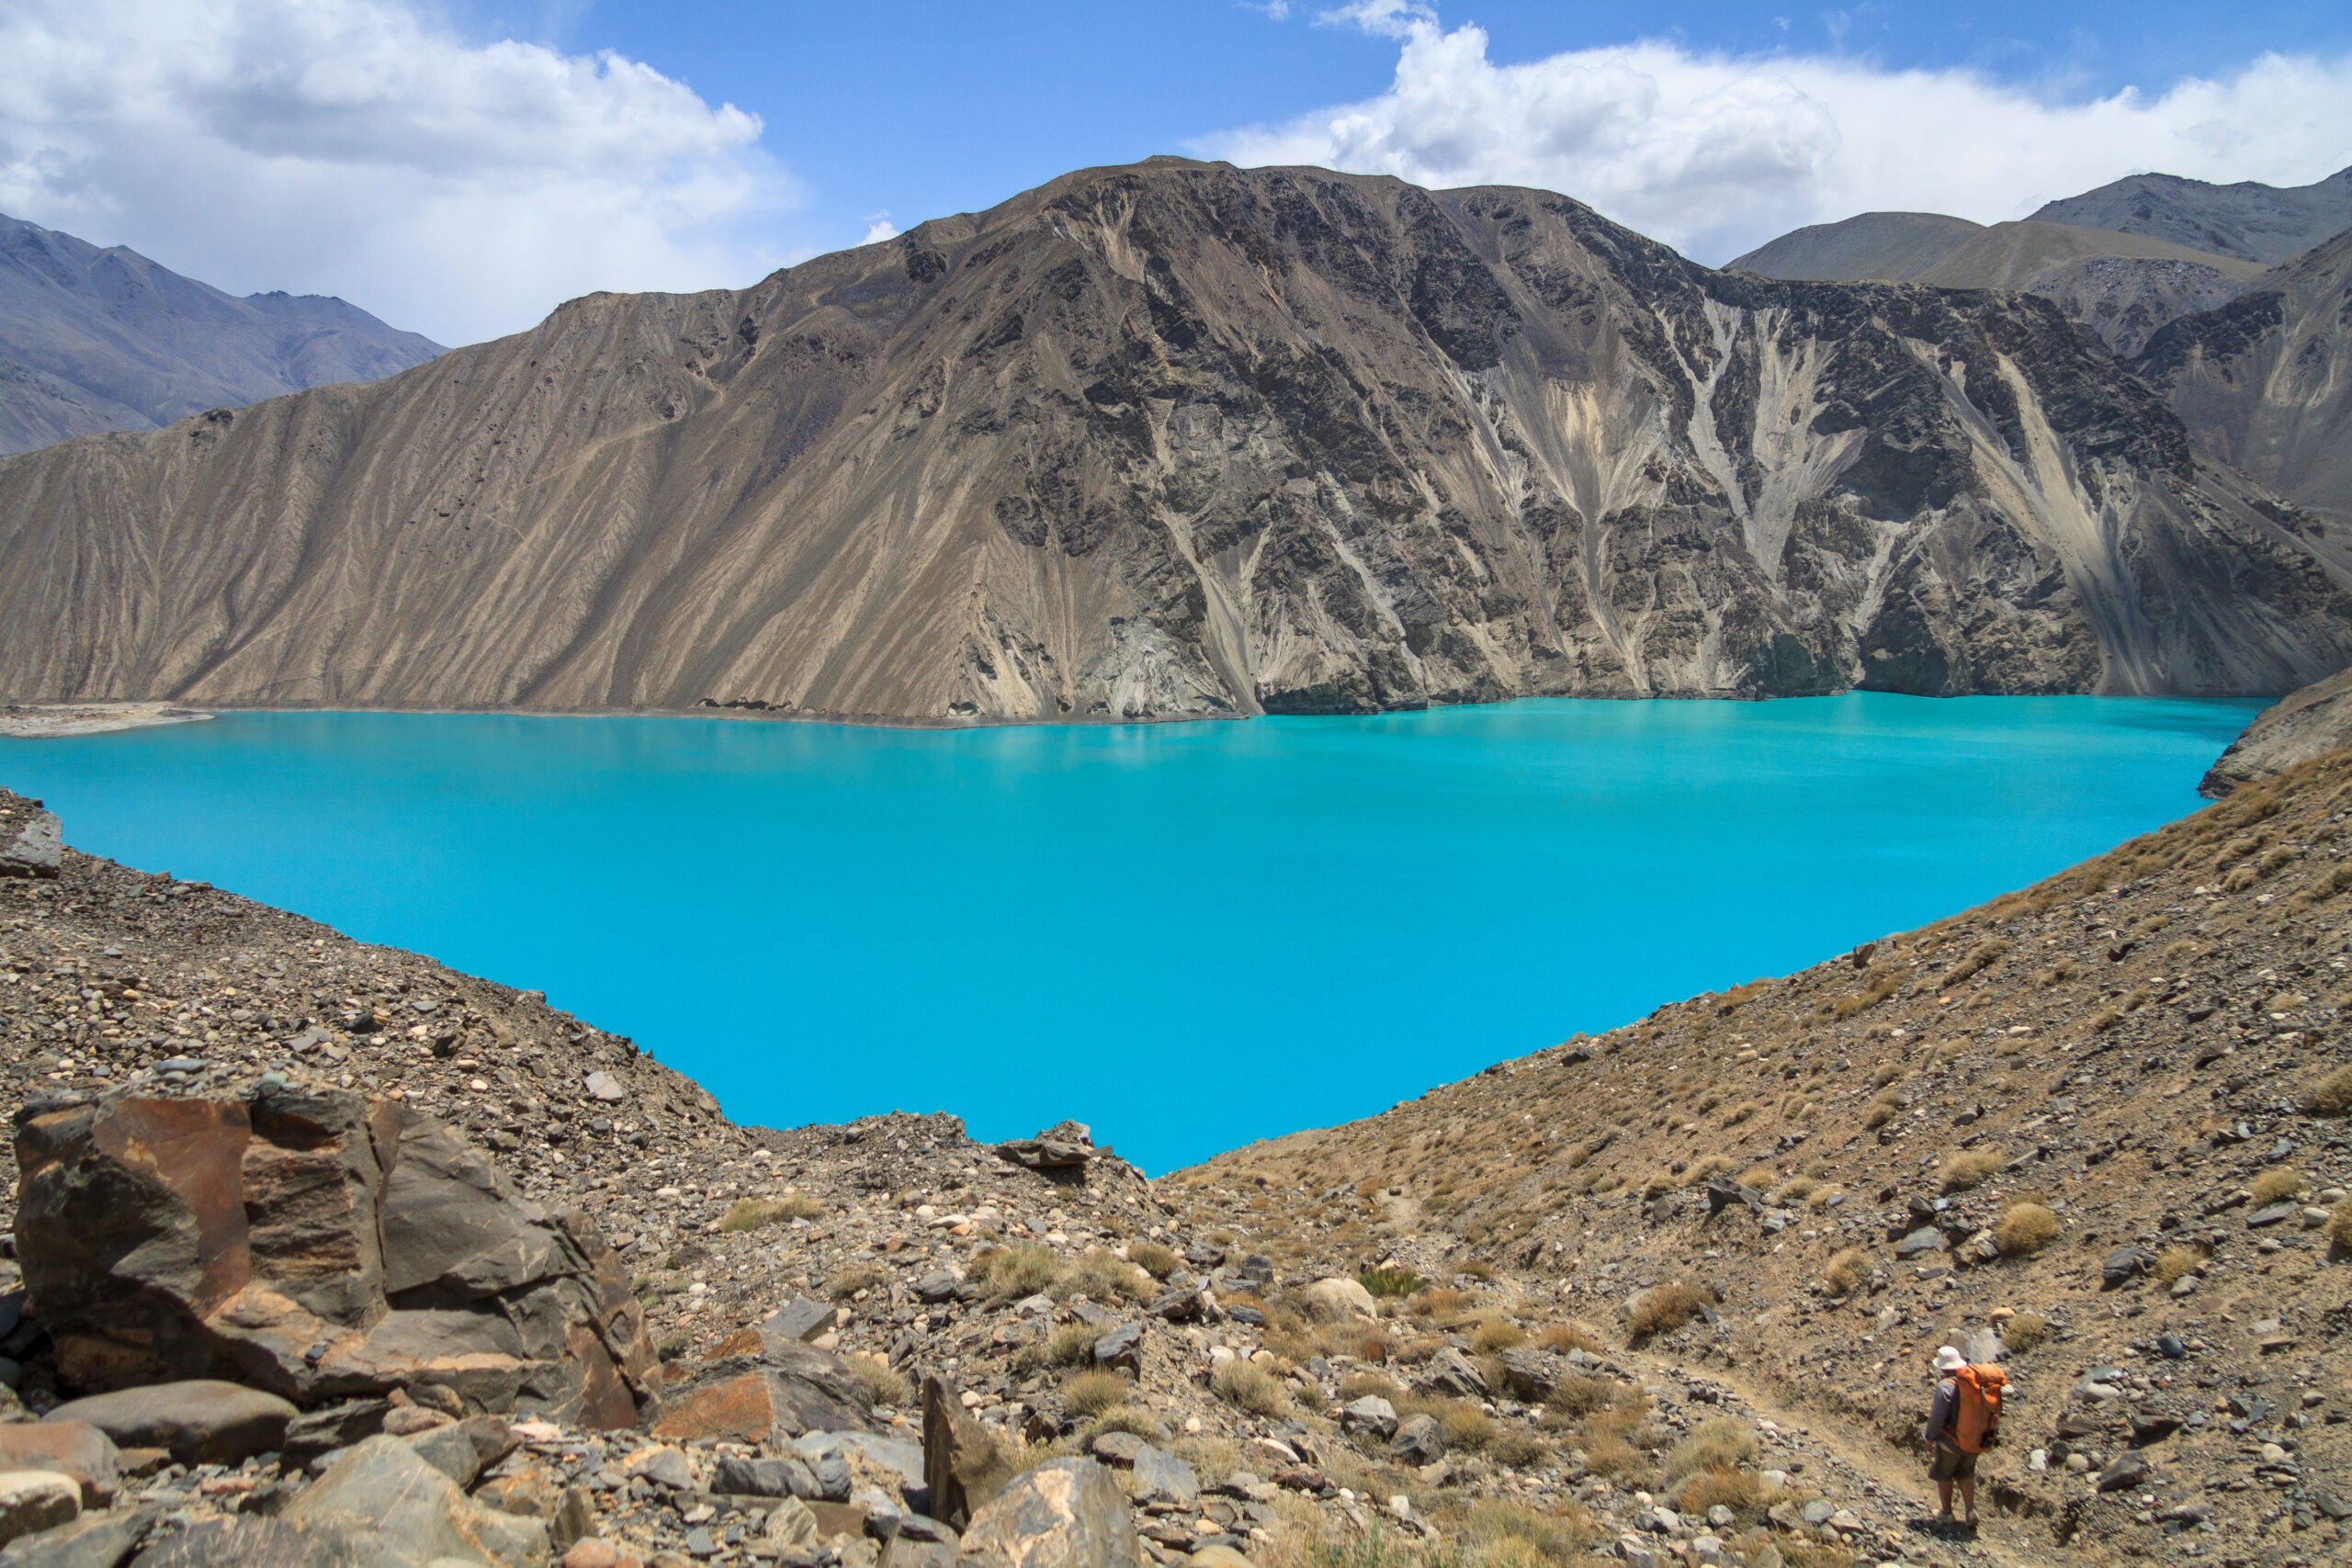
1189	936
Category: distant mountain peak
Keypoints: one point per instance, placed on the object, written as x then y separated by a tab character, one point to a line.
97	338
2248	220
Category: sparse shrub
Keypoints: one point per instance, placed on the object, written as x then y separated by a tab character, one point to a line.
1127	1418
1796	1190
1846	1271
2025	1331
1438	1301
2174	1262
1390	1284
1502	1533
1721	1443
1822	1197
1014	1272
1467	1426
1497	1334
1879	1113
2334	1095
672	1347
1609	1454
1888	1073
1361	1385
1090	1394
1733	1489
1518	1447
756	1214
1980	958
2025	1229
1251	1388
2339	1224
1705	1170
1970	1168
1154	1260
2277	1182
885	1384
1577	1395
1565	1337
1071	1344
1101	1277
1481	1272
847	1282
1662	1309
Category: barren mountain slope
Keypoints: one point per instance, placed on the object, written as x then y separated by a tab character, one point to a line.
99	339
1888	247
2265	382
2249	221
2123	286
2094	1128
1179	440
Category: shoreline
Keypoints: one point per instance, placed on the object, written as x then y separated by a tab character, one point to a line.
105	717
58	721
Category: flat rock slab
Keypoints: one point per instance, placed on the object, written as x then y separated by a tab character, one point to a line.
74	1448
93	1541
243	1543
200	1421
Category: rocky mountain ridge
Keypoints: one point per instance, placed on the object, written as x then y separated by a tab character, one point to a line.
95	339
2253	222
1183	440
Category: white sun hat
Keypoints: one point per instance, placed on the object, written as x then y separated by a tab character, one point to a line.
1949	1361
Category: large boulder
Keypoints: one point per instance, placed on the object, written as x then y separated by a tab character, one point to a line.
69	1447
1067	1513
201	1421
319	1244
1335	1300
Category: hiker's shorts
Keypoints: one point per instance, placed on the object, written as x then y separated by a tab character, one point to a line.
1952	1463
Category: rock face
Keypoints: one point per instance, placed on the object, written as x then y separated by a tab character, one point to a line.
32	842
2296	729
2265	383
1180	439
314	1243
97	339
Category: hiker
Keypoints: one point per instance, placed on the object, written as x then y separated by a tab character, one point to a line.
1962	1423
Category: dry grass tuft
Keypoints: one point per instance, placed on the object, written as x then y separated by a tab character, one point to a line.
1846	1270
1013	1272
1733	1489
2025	1229
1722	1443
1467	1426
2339	1224
1495	1334
1438	1301
2025	1331
2334	1095
1505	1533
756	1214
1101	1277
1090	1394
1251	1388
2175	1261
857	1277
1662	1309
1969	1169
1565	1337
1154	1260
2277	1182
885	1384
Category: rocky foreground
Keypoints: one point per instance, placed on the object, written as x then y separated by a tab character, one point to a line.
322	1252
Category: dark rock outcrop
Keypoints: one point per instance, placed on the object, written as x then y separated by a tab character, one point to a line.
1181	439
316	1245
2297	727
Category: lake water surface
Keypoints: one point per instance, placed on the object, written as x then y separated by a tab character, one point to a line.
1188	935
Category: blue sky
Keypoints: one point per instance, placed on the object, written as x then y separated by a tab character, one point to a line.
461	167
925	109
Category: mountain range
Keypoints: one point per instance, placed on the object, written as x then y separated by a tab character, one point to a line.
1179	439
95	339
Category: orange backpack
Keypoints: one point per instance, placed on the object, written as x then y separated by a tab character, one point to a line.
1977	1406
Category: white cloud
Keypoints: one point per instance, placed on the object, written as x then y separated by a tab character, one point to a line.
1716	153
879	228
355	147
